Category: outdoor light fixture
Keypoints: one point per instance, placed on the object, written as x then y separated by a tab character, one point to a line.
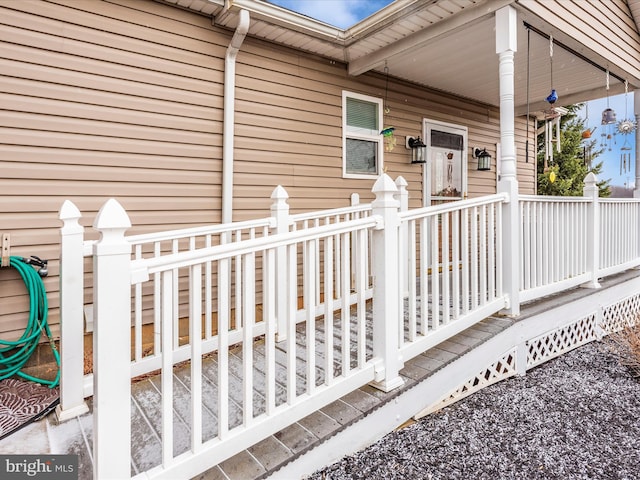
484	158
418	149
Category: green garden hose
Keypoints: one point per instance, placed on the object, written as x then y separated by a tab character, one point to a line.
14	355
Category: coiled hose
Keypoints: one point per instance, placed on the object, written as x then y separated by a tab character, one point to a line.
14	355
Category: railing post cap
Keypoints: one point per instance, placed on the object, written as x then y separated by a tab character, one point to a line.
590	179
384	184
279	193
401	182
112	216
69	211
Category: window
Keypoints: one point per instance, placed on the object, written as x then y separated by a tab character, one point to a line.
362	142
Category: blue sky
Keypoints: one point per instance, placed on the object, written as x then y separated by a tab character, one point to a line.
346	13
339	13
611	158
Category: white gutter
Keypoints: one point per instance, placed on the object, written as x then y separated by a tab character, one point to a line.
229	115
276	15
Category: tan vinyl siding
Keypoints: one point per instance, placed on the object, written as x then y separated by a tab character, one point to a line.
599	26
289	118
103	100
123	99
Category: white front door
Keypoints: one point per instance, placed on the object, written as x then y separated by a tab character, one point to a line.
445	173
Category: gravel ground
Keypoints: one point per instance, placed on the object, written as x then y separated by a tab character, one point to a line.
574	417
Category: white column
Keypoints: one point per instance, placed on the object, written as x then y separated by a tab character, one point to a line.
506	46
385	273
72	401
112	344
636	109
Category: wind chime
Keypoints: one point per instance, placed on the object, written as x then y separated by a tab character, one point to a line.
551	118
608	121
387	132
626	127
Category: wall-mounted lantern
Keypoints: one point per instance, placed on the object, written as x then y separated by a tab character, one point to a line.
418	149
484	158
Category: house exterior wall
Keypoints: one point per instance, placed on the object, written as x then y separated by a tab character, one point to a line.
124	99
599	26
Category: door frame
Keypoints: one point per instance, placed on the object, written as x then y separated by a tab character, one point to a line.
427	125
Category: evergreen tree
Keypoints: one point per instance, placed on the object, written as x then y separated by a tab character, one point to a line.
569	166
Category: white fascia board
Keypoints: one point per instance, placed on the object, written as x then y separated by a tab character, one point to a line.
380	19
304	24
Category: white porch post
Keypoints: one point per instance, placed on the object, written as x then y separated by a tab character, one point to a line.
72	401
385	273
591	191
280	213
506	46
636	109
112	344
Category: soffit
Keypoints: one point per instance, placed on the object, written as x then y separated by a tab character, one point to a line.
448	45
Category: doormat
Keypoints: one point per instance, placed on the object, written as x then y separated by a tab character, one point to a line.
23	402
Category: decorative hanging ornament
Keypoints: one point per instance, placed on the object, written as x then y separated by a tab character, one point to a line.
608	119
626	127
608	116
389	138
553	96
386	89
551	115
586	134
587	147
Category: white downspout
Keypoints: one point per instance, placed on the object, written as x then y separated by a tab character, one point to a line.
229	115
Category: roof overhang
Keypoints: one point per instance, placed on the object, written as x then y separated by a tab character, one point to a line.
441	44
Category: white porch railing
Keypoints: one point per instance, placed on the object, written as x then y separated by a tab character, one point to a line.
570	241
315	305
619	235
553	244
453	270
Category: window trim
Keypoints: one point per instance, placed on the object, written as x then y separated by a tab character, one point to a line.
361	136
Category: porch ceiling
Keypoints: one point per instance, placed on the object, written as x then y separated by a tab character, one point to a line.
448	45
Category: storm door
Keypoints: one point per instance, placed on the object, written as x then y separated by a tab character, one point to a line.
445	180
446	169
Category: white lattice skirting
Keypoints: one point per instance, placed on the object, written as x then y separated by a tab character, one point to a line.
620	315
545	347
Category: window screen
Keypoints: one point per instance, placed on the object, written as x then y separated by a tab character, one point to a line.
362	116
362	155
